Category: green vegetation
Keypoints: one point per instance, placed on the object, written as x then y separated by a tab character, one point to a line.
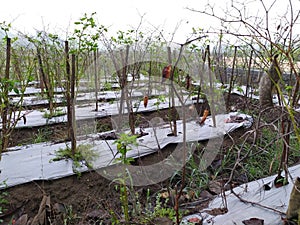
84	155
162	209
70	217
123	146
3	202
160	99
196	178
42	135
57	112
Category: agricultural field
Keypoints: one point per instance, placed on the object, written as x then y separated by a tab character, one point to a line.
132	129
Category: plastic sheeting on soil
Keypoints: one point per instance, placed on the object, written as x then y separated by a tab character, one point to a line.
33	162
87	111
241	90
238	211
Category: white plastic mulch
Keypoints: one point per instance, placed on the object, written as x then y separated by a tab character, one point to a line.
238	211
33	162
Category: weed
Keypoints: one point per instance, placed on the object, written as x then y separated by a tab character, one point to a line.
70	217
123	146
160	99
196	179
107	86
161	209
42	135
294	154
240	89
3	202
114	219
58	112
84	155
264	157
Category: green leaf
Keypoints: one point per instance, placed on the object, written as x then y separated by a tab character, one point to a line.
123	151
30	78
16	90
288	88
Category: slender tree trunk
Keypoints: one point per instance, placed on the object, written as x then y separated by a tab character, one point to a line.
231	83
5	127
295	95
267	84
46	81
123	83
219	58
68	90
249	74
73	126
149	78
211	89
285	130
126	93
200	82
96	78
248	79
173	109
42	85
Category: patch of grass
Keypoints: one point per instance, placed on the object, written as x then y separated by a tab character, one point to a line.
294	153
58	112
84	155
107	86
42	135
196	178
70	217
263	158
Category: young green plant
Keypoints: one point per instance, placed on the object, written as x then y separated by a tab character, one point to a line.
123	146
